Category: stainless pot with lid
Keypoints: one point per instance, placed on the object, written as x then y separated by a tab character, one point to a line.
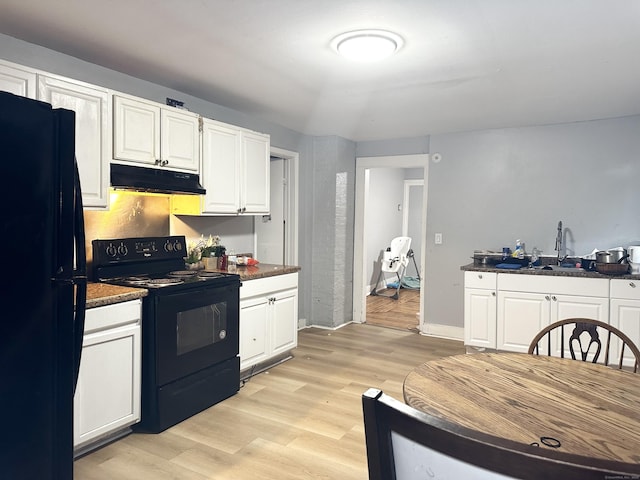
618	255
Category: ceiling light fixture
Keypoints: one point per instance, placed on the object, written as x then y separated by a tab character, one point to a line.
367	45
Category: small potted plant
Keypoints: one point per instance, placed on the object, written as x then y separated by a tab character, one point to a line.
211	251
193	260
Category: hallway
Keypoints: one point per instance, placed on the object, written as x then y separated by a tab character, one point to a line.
399	314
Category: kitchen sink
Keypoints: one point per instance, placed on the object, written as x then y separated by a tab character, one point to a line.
557	268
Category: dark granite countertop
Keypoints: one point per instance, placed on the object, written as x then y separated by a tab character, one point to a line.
262	270
100	294
566	272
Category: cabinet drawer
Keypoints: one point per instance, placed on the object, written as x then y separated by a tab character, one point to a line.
110	316
629	289
587	287
485	280
263	286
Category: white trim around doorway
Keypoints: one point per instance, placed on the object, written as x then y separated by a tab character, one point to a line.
292	203
363	165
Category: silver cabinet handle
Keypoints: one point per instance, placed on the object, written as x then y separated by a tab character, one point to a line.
554	298
546	297
480	276
493	293
632	285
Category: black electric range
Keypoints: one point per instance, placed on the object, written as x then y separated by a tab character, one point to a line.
190	326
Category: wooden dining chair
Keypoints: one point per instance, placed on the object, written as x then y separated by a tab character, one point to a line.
406	444
585	341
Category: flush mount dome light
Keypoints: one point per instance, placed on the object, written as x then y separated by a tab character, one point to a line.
367	45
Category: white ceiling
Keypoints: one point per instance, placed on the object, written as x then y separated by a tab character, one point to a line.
466	64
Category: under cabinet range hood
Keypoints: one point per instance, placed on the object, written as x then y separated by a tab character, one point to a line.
142	179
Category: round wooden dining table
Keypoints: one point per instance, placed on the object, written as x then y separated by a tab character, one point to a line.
559	404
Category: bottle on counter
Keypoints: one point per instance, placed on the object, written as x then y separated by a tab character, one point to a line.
232	262
519	251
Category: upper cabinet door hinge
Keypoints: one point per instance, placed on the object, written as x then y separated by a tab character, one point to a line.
200	124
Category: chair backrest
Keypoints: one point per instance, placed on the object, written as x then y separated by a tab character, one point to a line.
396	255
587	340
405	444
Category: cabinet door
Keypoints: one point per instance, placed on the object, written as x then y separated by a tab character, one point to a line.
220	168
93	132
107	395
136	131
284	321
625	316
520	317
480	317
254	337
255	174
573	306
180	140
14	79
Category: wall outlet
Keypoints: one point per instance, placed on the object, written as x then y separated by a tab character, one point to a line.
438	239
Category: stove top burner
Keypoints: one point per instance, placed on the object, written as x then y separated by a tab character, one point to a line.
155	263
182	273
204	274
163	281
174	277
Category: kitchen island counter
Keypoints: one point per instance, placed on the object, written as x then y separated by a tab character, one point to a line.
100	294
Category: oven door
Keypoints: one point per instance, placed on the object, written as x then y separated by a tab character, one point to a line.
195	329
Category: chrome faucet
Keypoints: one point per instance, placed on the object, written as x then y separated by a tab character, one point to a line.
559	244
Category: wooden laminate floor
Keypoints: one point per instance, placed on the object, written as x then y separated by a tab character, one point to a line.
299	420
387	312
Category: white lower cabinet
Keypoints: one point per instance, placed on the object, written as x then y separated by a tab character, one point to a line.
528	303
268	318
480	309
107	398
625	313
525	304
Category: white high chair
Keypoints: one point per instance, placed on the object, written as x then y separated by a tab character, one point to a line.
395	260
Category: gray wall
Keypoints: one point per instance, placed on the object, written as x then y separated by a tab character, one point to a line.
493	187
332	231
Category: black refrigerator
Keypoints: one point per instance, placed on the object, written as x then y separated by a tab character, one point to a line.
43	288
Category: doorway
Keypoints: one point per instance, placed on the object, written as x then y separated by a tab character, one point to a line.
362	231
412	222
276	234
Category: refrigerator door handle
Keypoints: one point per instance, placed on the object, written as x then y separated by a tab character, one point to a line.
80	274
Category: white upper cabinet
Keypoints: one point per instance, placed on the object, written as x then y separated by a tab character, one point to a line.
148	133
17	80
255	174
235	171
221	145
93	132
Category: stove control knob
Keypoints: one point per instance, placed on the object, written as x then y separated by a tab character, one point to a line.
111	250
123	250
168	246
177	246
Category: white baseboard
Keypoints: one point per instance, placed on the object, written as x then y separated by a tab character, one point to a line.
443	331
324	327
